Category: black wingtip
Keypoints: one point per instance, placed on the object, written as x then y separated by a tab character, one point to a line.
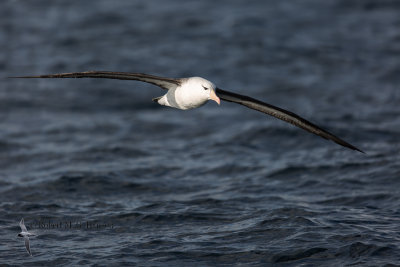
345	144
357	149
28	77
22	77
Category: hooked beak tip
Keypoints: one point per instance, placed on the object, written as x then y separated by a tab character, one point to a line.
214	97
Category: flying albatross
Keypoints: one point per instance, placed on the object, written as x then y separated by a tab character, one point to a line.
193	92
25	234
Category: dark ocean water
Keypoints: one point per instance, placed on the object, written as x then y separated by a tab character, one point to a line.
106	177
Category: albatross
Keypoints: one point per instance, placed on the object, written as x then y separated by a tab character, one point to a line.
25	234
194	92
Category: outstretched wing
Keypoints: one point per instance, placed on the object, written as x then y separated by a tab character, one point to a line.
22	225
165	83
281	114
27	245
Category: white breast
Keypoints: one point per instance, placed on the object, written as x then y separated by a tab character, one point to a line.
189	95
187	98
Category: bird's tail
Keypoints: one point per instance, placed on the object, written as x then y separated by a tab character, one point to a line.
156	99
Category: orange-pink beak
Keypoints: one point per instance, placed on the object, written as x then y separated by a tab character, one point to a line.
214	97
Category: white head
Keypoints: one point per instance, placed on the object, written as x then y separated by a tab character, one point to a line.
203	89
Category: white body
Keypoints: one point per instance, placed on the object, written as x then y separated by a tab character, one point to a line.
192	93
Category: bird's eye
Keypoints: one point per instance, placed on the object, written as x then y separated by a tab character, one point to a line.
205	88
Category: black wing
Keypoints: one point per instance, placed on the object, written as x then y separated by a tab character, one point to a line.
281	114
166	83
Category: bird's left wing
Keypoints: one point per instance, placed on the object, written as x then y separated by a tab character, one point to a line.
281	114
165	83
22	225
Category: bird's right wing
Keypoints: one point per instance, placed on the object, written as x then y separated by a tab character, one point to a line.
165	83
27	245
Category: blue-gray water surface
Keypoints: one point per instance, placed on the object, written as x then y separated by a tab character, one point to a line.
106	177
